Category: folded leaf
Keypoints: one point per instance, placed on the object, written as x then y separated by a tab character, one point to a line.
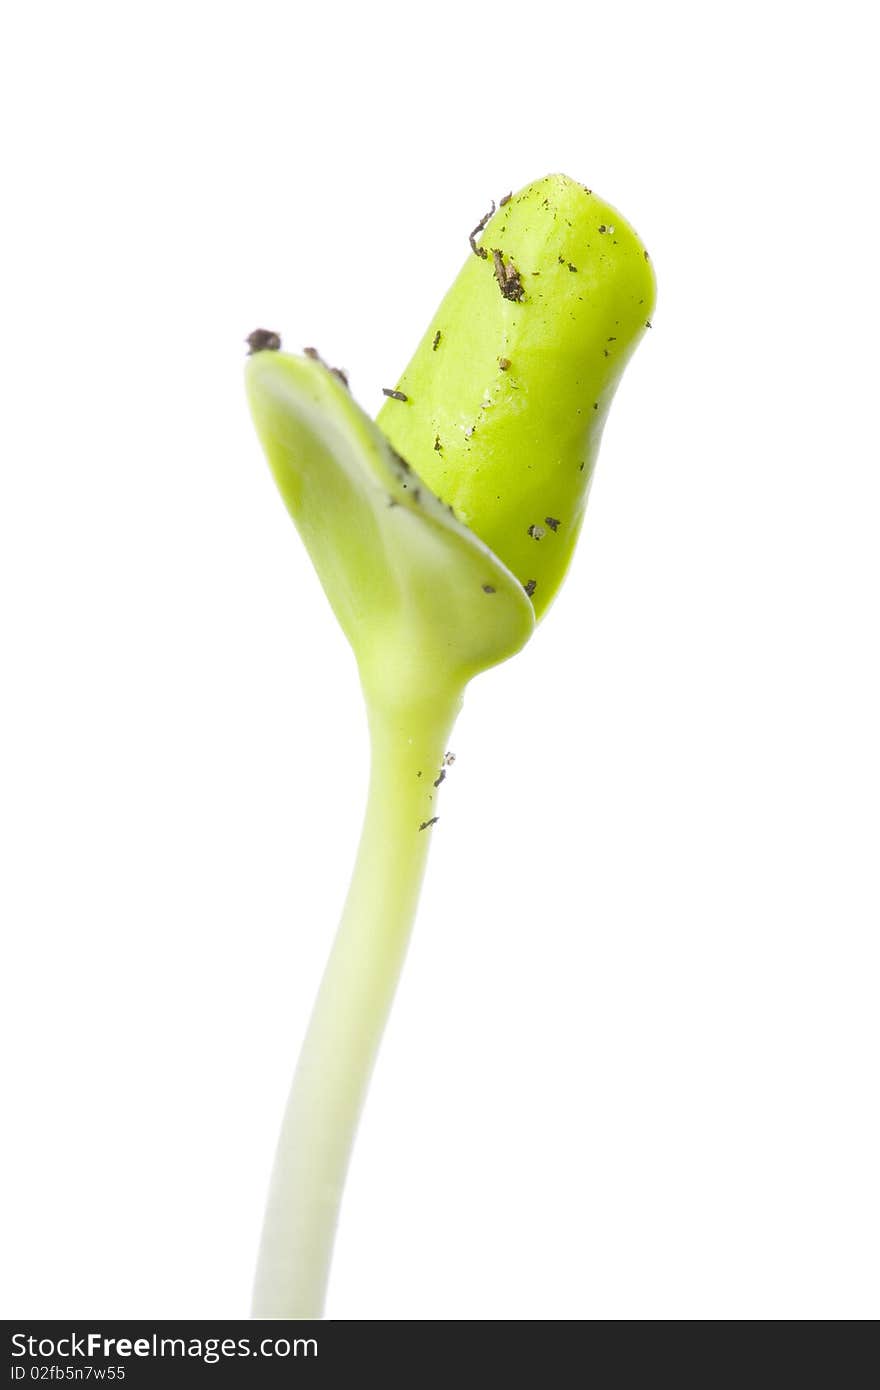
415	591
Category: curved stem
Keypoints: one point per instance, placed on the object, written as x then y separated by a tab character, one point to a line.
353	1004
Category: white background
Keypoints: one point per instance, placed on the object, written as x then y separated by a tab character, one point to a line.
632	1072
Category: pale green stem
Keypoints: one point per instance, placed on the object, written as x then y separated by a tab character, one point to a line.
354	1000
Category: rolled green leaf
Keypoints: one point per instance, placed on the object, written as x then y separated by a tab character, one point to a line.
508	391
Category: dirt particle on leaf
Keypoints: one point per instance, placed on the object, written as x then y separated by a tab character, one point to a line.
394	395
502	202
314	355
530	586
436	342
426	824
508	277
399	459
438	447
263	340
441	778
480	250
488	588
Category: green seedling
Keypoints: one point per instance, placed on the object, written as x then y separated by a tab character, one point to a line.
440	534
